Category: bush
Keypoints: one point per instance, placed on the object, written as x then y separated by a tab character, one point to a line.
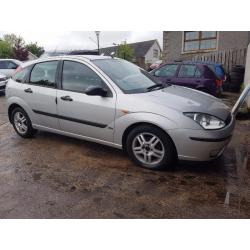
6	51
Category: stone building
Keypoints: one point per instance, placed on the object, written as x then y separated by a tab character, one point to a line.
181	45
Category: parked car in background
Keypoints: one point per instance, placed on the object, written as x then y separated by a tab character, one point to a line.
8	66
155	65
3	82
113	102
189	74
217	68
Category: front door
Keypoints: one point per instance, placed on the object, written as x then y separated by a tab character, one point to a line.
81	114
167	73
40	94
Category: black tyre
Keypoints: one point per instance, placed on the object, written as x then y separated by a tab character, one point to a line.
21	123
238	69
149	147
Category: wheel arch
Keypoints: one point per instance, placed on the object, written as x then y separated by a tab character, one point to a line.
11	108
137	124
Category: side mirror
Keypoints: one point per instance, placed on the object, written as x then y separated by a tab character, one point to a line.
96	91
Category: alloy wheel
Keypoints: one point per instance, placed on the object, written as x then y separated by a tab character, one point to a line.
148	148
20	122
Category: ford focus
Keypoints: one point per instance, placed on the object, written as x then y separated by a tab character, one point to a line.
113	102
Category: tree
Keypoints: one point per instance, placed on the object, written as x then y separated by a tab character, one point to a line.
6	51
20	52
13	39
18	45
125	52
35	49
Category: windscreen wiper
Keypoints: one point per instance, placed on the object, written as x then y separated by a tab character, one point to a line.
158	85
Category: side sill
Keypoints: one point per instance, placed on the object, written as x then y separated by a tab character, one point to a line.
86	138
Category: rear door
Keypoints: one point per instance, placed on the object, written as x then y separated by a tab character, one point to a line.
81	114
39	93
189	76
167	73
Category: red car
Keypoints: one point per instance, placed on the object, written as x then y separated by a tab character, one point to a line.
155	65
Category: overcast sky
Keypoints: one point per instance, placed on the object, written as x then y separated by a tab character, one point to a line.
59	40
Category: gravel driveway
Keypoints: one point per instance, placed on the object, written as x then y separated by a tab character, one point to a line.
52	176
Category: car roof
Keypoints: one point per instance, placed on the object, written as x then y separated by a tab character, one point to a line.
76	57
203	62
192	62
10	59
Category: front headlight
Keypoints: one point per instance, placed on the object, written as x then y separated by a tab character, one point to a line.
3	79
206	121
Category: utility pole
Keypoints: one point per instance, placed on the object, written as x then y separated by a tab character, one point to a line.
98	40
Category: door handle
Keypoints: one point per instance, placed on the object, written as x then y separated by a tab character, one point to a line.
29	90
67	98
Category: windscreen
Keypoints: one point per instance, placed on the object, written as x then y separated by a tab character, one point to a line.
127	76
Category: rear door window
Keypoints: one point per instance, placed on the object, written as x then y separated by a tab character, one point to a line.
167	70
44	74
189	71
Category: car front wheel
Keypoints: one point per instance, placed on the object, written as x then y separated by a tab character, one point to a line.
150	147
21	123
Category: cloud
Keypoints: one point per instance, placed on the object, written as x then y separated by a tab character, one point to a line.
59	40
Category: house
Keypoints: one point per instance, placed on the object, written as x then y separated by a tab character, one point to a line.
145	53
226	47
31	56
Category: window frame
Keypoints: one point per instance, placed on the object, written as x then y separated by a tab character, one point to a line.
199	40
60	85
44	86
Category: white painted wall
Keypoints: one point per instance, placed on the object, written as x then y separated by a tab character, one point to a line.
149	57
247	73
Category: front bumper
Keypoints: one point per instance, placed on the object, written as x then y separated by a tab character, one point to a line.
201	145
3	85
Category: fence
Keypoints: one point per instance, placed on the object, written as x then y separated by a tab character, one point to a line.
226	57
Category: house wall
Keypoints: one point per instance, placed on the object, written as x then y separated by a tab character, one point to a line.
149	57
173	42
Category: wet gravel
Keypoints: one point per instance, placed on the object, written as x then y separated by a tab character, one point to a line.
53	176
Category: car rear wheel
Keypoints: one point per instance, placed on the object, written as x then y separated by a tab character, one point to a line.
21	123
149	147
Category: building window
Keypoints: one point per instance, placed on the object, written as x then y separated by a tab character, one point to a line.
199	40
155	53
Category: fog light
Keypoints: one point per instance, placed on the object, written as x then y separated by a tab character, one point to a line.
214	153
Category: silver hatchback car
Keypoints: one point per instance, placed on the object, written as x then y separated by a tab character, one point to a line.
115	103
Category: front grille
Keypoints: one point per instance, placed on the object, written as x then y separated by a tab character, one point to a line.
229	119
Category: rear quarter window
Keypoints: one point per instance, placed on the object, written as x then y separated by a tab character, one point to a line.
21	74
208	73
